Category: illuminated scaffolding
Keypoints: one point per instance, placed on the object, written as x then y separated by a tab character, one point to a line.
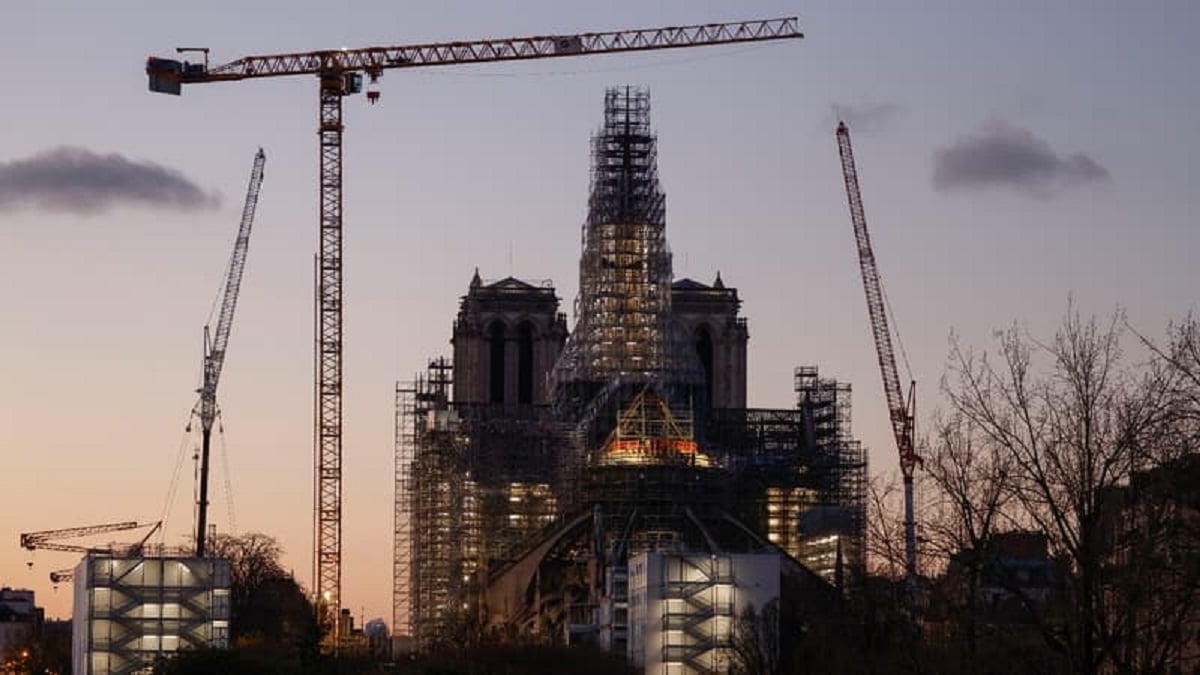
648	433
800	475
402	553
481	489
833	535
443	510
622	312
527	510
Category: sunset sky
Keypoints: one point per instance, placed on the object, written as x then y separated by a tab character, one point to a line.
1011	155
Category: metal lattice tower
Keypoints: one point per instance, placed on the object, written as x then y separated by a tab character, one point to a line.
402	555
327	563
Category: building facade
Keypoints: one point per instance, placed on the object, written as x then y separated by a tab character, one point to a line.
695	613
131	610
20	621
506	338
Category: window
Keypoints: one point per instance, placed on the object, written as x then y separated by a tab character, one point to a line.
704	349
496	363
525	364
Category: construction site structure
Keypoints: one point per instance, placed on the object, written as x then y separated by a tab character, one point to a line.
402	554
525	514
340	73
623	328
217	342
684	608
900	412
135	602
507	333
132	610
833	526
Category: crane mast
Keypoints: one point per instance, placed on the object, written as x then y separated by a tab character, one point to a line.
339	74
214	348
901	413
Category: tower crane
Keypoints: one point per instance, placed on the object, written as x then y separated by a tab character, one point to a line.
339	74
215	343
901	412
49	540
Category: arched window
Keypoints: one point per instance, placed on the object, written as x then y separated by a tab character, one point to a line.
525	363
704	349
496	363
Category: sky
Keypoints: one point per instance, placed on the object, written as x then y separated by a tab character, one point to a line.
1012	157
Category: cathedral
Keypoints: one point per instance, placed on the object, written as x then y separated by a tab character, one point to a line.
549	473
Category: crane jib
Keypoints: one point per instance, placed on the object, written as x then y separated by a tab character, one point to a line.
168	75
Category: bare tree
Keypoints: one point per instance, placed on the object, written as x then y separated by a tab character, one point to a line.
1180	359
1157	534
971	482
1072	424
885	527
755	641
253	560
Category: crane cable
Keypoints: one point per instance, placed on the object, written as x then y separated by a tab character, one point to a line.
173	486
895	330
229	505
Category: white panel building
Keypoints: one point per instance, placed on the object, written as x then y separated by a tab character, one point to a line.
129	610
684	607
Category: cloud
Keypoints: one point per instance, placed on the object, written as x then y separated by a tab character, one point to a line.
1001	155
866	117
78	180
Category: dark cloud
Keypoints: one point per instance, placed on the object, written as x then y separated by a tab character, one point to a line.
1001	155
78	180
865	117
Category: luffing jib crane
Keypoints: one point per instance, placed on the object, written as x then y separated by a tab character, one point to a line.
340	73
901	412
216	342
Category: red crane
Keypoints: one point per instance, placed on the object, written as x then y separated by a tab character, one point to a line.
900	411
339	74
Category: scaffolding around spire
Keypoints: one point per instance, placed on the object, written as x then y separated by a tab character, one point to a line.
623	331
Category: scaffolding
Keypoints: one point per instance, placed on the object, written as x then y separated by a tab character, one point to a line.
443	509
481	488
402	553
786	505
628	453
833	535
648	433
800	476
622	312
